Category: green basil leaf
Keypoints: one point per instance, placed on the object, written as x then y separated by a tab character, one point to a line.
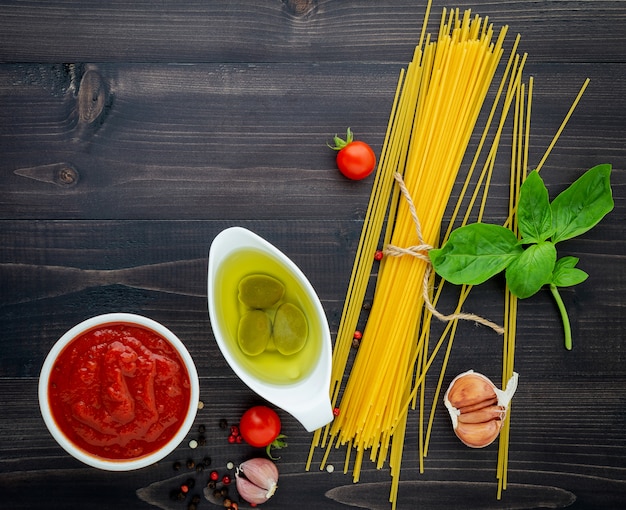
474	253
565	274
533	269
534	216
582	205
568	277
566	262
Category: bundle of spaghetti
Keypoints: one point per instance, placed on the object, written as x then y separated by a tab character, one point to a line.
445	88
434	110
512	75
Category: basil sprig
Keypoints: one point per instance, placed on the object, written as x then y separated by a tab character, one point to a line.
476	252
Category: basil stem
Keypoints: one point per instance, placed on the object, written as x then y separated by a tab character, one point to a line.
564	317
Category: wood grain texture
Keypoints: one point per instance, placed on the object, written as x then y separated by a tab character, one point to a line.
287	30
132	133
218	130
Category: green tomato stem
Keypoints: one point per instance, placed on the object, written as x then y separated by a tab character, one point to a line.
564	317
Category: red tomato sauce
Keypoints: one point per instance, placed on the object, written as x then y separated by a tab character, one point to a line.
119	391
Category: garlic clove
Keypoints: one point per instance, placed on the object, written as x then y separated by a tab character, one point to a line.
480	405
261	472
251	493
483	415
471	389
477	408
257	480
478	435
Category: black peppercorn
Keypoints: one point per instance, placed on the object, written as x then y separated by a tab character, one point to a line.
191	464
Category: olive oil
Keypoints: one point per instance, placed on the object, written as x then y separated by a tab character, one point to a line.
270	366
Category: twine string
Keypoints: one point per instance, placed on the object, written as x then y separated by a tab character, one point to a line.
420	251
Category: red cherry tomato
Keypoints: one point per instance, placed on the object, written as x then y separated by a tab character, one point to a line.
260	427
355	159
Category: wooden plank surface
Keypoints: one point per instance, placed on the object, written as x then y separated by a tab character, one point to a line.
133	133
217	131
287	30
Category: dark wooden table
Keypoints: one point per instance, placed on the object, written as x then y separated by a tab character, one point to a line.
131	133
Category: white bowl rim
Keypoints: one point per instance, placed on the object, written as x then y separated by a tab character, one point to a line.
99	321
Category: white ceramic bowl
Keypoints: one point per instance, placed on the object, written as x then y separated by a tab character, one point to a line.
302	392
99	461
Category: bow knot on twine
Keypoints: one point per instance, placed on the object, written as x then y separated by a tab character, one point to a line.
420	251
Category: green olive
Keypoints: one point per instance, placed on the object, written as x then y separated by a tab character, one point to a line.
290	329
260	291
255	329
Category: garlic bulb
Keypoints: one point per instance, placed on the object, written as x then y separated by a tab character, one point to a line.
256	480
477	408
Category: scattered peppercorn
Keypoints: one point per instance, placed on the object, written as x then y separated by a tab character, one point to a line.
223	423
191	483
201	429
177	466
211	484
234	430
207	461
196	499
358	335
199	467
192	506
214	476
201	440
336	411
184	489
193	444
378	255
191	464
226	479
228	503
